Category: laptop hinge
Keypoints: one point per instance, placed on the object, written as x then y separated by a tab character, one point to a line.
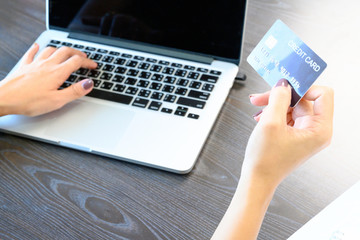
142	47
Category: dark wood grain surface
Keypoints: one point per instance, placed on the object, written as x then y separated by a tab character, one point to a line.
49	192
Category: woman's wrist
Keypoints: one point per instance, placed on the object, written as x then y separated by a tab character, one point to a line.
5	108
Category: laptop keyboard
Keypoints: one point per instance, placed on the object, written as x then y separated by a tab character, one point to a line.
143	82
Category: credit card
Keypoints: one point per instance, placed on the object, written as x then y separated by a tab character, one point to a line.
282	54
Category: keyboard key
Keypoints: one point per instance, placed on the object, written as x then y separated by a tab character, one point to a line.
143	84
132	72
152	60
192	115
181	91
82	71
108	59
102	50
96	82
155	86
157	95
180	73
139	58
120	70
195	84
215	72
155	105
132	90
96	56
106	85
87	53
140	102
193	75
203	70
162	62
118	78
114	53
115	97
145	75
170	80
199	95
72	78
144	66
130	81
170	98
125	55
182	82
181	111
51	45
78	46
106	76
208	87
120	61
99	65
119	88
108	68
157	77
131	63
168	70
168	88
156	68
94	74
55	42
178	65
90	48
209	78
187	67
166	110
191	103
67	44
144	93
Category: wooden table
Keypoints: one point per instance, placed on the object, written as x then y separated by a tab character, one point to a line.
49	192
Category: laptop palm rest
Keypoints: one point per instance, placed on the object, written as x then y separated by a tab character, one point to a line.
89	125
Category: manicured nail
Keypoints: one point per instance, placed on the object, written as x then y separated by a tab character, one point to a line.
282	83
257	114
87	84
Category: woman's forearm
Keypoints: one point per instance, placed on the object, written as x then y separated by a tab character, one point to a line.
245	214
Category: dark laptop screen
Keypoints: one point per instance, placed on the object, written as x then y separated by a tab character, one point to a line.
205	26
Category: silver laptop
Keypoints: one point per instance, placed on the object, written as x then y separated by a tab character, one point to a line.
165	70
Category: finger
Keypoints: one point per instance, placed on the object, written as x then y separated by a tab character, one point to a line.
76	62
64	53
260	99
30	54
323	98
46	53
76	91
279	102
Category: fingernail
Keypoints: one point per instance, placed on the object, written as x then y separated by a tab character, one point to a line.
87	84
257	114
282	83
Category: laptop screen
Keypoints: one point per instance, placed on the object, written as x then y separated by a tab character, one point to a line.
211	27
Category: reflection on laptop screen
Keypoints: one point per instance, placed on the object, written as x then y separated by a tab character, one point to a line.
212	27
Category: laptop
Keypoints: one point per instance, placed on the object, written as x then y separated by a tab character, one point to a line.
164	71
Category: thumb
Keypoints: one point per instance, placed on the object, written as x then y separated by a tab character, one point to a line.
279	102
77	90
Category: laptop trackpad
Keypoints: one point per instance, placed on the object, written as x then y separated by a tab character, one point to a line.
89	124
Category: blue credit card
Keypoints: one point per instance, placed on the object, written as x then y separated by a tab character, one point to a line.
282	54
